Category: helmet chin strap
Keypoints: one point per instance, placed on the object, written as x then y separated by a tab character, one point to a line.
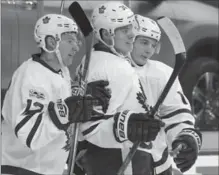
58	54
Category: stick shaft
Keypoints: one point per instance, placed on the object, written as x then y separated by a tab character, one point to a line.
128	158
62	6
82	21
73	150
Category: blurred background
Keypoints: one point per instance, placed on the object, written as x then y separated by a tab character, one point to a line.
197	21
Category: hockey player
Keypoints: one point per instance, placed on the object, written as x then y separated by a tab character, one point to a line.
108	139
175	112
38	106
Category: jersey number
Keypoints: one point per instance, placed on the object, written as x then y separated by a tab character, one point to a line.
28	113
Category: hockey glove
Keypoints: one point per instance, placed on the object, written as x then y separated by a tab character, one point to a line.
98	91
72	110
191	139
136	127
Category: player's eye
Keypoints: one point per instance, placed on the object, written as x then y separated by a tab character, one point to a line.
125	31
72	41
145	42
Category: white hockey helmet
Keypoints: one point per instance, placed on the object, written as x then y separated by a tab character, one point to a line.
53	25
111	15
147	27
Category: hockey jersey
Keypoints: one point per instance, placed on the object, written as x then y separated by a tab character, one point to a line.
175	110
126	94
31	142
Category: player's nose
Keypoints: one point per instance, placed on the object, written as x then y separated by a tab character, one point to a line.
131	34
147	50
76	47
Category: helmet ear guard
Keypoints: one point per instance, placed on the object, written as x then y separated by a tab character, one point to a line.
54	41
157	50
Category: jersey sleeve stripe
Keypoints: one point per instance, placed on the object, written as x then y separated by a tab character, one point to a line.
90	129
33	130
163	158
172	114
176	124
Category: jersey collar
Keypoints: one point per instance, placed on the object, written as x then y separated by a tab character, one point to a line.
36	57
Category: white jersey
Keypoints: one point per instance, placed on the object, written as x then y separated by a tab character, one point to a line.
175	110
124	86
126	93
30	139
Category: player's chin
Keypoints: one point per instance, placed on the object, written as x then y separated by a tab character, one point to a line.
142	62
69	61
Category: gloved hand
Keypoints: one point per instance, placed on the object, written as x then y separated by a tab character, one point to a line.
98	90
191	139
136	127
74	109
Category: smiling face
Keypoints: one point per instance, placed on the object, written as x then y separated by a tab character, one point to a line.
143	49
123	39
68	47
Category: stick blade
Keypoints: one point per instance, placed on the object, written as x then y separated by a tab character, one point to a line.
80	18
173	34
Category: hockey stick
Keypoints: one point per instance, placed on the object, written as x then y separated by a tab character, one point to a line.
180	55
62	6
83	23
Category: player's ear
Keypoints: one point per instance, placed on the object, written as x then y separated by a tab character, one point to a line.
50	43
106	36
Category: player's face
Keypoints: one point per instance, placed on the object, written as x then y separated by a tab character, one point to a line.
68	47
123	39
143	49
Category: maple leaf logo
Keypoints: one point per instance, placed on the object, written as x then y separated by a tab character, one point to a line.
46	20
69	139
67	143
141	97
102	9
